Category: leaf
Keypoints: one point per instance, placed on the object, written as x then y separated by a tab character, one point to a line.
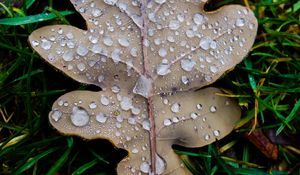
148	57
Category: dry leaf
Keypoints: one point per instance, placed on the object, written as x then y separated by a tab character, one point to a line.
148	57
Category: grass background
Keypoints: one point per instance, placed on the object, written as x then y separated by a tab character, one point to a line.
266	85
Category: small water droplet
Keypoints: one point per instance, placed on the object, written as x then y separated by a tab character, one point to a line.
96	12
101	117
79	117
216	133
115	89
56	115
187	64
174	24
104	100
160	165
146	124
194	115
162	52
34	43
240	22
175	119
124	42
213	109
108	41
134	52
135	151
160	1
185	80
213	69
81	66
206	137
111	2
175	107
199	106
115	55
93	105
68	56
167	122
205	43
132	120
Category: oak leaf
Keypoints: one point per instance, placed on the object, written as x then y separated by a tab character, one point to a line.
149	57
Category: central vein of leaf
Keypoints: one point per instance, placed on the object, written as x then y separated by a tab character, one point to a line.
147	73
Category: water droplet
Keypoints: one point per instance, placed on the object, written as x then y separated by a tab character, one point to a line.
68	56
240	22
175	107
124	42
174	24
167	122
213	109
34	43
134	52
115	55
162	52
132	120
160	165
199	106
104	100
206	137
185	80
115	89
79	117
146	124
187	64
205	43
56	115
93	39
111	2
143	86
198	19
46	44
96	12
108	41
145	167
93	105
82	50
163	69
216	133
175	119
138	20
160	1
135	150
213	69
101	117
135	111
81	66
194	115
126	103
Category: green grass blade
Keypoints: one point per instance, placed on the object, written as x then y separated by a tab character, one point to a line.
34	160
32	19
85	167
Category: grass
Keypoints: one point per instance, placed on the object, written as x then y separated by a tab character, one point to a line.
266	85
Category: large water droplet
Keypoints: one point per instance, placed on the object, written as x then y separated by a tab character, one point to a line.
160	165
68	56
82	50
56	115
126	103
145	167
79	117
198	19
187	64
143	86
46	44
175	107
163	69
104	100
101	117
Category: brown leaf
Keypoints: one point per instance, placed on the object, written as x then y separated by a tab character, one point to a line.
148	57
